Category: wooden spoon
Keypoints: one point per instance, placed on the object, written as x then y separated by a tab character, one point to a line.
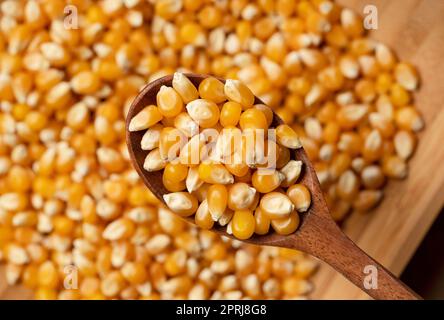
317	234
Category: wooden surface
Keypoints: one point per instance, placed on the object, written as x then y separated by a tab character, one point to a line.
415	29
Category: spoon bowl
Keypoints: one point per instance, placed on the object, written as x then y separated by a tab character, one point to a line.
317	233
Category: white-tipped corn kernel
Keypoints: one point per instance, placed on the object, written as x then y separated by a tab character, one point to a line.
276	205
192	181
291	172
146	118
204	112
240	196
181	203
404	143
153	161
150	139
238	92
184	87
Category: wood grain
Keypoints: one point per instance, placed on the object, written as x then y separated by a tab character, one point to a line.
391	234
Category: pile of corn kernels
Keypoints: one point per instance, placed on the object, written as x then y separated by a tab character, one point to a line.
66	185
236	168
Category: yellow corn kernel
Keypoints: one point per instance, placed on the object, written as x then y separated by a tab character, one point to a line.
210	16
286	226
63	225
108	70
264	27
287	137
331	78
336	37
116	190
373	146
182	203
406	76
203	217
192	33
291	172
58	96
85	82
238	92
30	276
351	23
408	118
168	9
173	186
183	122
331	132
153	161
383	124
243	224
350	142
14	201
73	68
283	156
175	172
169	102
348	185
404	142
372	177
262	225
212	89
184	87
384	56
230	114
339	164
367	200
19	179
214	173
266	181
146	118
175	263
217	200
383	83
350	116
241	196
78	116
276	205
134	272
365	90
394	167
110	159
253	119
244	30
238	169
399	96
300	196
89	287
112	284
48	275
204	112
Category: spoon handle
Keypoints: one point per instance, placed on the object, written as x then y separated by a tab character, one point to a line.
327	242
